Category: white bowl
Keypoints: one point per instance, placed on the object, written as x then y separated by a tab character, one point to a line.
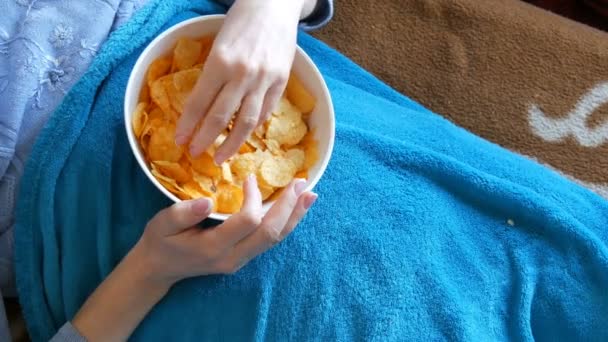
321	120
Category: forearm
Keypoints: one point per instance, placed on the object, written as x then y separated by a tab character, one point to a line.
120	303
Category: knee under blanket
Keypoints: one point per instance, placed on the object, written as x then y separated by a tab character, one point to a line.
421	231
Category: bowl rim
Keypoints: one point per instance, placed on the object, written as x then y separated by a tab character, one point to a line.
134	144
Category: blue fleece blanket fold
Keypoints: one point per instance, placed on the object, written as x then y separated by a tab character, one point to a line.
422	231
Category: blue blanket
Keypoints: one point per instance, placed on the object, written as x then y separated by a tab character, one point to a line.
422	230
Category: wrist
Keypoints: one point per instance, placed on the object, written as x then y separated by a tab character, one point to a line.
143	272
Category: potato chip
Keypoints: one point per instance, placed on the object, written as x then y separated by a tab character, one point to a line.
183	82
286	125
256	142
276	194
175	100
152	124
298	95
144	94
274	147
219	140
148	127
265	190
312	156
157	114
140	118
160	96
260	131
226	173
246	148
186	54
151	106
284	107
185	164
173	170
169	183
207	44
229	198
162	144
309	144
297	156
205	182
287	130
301	174
160	67
245	164
144	139
205	165
277	171
194	190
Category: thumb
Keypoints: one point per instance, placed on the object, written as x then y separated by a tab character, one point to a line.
181	216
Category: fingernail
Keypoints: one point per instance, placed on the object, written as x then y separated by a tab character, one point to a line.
201	206
181	139
252	179
299	186
310	200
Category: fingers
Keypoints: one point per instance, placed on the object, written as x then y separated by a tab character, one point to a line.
228	247
246	121
270	101
204	92
253	199
222	103
180	216
242	224
284	214
305	201
216	120
251	88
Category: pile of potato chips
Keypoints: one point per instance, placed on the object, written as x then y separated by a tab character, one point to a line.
279	151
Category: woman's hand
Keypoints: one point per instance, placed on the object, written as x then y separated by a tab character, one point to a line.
172	248
246	73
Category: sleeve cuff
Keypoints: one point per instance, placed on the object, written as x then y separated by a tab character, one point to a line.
321	15
68	333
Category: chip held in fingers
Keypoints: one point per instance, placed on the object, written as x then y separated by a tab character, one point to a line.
281	149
